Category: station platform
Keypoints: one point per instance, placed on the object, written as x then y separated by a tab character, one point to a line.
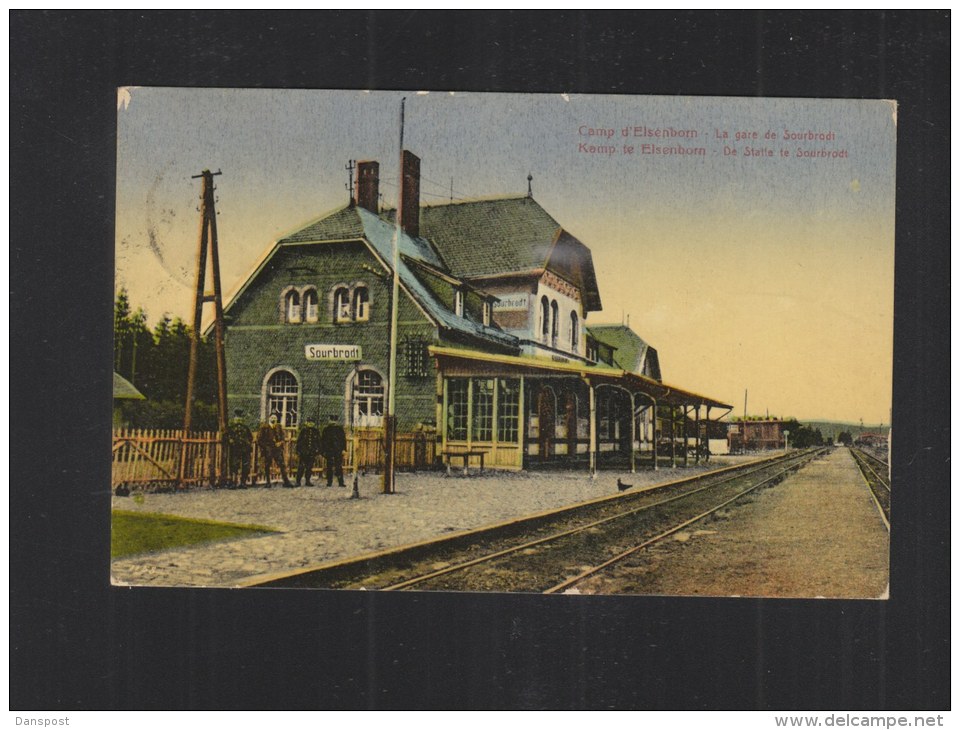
818	533
316	525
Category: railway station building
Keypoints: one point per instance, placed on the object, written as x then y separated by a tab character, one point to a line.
494	353
761	435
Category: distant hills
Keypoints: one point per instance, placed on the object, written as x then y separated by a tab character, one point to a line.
832	429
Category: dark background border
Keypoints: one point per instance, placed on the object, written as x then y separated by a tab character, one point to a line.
76	643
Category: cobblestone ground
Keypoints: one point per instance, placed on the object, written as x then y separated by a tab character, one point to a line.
816	534
320	524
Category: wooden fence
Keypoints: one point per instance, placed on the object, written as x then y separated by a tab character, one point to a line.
152	458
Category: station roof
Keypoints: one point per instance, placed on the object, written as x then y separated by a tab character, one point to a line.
662	393
354	223
124	389
492	237
630	349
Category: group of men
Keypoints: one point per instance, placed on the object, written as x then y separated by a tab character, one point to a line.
332	443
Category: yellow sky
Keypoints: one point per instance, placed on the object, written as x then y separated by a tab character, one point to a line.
772	274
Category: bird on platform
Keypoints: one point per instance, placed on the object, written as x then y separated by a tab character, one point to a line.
621	486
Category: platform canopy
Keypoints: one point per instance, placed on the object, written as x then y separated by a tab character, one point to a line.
456	361
123	389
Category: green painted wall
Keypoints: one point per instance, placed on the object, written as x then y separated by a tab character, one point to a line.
258	341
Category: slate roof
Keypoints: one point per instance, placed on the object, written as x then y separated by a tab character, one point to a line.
356	223
471	239
487	237
631	350
352	223
343	224
506	235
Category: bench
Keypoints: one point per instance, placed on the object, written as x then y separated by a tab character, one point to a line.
465	455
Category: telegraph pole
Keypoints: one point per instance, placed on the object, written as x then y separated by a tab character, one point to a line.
390	419
208	240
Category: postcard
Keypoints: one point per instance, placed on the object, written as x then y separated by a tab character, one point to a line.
546	343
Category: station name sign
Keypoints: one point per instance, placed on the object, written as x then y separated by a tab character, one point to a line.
512	303
333	352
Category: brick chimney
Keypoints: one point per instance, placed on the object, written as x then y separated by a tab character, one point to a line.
368	185
410	195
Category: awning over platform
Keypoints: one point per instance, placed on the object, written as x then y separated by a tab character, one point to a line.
453	359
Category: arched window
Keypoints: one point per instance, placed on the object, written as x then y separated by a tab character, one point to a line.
544	318
574	331
367	394
282	398
291	305
341	305
310	305
554	322
361	304
458	302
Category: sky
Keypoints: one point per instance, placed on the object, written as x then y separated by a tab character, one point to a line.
765	273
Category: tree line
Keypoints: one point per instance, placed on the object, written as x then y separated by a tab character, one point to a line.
156	363
803	437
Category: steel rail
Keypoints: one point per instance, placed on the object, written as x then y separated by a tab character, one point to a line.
570	582
748	469
864	459
602	502
884	513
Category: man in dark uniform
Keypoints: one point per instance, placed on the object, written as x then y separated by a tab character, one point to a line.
308	446
239	446
270	441
333	443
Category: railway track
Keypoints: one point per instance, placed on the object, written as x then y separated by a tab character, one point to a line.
553	551
875	474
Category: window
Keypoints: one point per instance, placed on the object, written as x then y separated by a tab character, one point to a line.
574	331
283	393
508	410
457	409
458	302
603	418
310	305
544	318
593	353
415	359
368	397
554	322
292	306
483	409
341	305
609	414
487	313
361	304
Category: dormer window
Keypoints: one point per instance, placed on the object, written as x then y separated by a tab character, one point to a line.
487	313
458	302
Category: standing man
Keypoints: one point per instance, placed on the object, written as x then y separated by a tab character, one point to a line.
270	441
239	446
333	443
308	446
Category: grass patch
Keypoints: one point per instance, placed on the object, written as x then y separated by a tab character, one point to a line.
135	532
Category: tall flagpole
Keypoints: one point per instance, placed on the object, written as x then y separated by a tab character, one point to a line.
390	420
